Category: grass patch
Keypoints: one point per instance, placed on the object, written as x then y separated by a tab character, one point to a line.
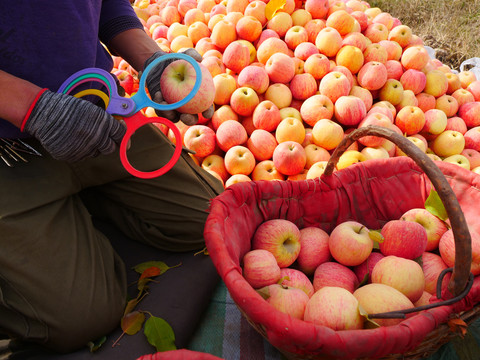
450	27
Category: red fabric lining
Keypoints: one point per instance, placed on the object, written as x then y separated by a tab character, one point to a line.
372	193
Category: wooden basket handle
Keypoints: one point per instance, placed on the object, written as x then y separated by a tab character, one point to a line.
463	246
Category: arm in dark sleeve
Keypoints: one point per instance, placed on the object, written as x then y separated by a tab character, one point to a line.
116	17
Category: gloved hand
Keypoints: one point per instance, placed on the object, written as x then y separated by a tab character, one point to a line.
72	129
153	86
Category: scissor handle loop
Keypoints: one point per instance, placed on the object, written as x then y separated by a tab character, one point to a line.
142	100
133	123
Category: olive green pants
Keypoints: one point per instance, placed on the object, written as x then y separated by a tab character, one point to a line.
61	283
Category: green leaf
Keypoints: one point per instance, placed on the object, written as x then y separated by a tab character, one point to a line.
364	280
264	292
159	334
132	322
364	313
435	206
95	345
140	268
131	306
376	236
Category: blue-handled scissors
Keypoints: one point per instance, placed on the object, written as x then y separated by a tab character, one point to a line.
130	108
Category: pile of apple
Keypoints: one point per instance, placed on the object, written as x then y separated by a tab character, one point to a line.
288	82
337	279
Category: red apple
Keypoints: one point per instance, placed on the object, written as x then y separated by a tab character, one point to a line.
313	250
434	226
295	278
334	274
364	270
281	237
407	239
260	268
178	80
289	157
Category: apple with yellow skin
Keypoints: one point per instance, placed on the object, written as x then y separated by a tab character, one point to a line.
448	143
448	104
435	122
414	57
290	112
279	94
316	169
437	83
378	298
236	178
290	129
463	96
244	100
350	157
401	34
318	65
391	91
328	41
377	152
239	160
315	154
447	250
265	170
225	85
405	275
459	160
327	134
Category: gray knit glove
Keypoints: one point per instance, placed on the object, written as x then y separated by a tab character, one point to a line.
72	129
153	86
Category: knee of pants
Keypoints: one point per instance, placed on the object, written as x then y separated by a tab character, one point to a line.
72	330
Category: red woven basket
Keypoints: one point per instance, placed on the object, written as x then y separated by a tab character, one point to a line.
372	193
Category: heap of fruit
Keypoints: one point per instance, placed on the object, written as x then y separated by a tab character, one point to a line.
339	279
291	78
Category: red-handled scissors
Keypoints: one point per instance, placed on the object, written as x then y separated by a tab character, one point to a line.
130	108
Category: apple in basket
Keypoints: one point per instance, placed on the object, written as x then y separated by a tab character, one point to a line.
364	270
350	243
334	307
405	275
178	80
295	278
281	237
313	249
407	239
289	300
332	273
260	268
378	298
434	226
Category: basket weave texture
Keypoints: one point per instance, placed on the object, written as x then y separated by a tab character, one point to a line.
372	193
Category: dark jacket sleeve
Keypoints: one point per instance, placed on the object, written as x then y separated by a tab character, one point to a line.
116	16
